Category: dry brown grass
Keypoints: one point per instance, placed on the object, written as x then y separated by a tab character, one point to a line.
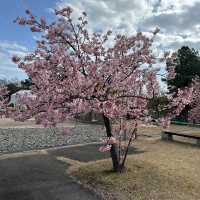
155	130
165	171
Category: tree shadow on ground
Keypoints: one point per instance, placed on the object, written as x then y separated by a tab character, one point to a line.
87	153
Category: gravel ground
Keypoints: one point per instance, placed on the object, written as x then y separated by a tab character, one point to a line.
24	136
24	139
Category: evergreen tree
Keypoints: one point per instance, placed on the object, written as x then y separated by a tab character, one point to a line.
187	68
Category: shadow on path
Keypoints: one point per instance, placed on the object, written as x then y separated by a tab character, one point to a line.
86	153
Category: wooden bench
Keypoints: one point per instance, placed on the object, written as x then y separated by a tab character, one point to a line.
167	135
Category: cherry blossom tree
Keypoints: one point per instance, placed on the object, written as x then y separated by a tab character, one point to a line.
194	114
75	71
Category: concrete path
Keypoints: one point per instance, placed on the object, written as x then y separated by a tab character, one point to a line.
38	177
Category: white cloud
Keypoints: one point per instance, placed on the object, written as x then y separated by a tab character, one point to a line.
175	6
12	46
178	19
36	37
122	15
9	70
17	52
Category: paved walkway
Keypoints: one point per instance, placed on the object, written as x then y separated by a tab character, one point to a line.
38	177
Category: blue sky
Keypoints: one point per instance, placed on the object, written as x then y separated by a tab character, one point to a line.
10	9
178	20
15	38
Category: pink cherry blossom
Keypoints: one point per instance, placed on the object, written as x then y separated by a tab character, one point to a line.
75	71
105	148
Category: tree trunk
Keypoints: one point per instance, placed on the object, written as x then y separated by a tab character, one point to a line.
113	150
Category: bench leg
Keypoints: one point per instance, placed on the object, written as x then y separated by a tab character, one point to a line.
166	136
198	142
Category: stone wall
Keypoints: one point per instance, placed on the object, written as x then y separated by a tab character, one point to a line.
24	139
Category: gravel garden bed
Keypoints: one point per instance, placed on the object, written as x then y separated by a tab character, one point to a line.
24	139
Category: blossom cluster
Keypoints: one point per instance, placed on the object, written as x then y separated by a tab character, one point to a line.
194	114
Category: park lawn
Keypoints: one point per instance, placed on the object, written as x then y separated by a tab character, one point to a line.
165	171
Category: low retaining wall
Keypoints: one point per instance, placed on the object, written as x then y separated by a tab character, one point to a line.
24	139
